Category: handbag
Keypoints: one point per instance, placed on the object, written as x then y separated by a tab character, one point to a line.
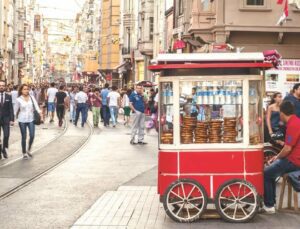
36	115
294	178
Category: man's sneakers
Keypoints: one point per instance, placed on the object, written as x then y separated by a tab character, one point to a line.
132	142
25	156
142	143
267	210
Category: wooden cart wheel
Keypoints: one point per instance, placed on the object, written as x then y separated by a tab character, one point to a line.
185	200
237	201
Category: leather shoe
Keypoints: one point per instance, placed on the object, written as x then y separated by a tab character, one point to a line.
4	154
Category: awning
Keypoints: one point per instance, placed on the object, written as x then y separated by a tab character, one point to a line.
194	43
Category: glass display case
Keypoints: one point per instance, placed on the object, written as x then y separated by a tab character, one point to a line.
216	111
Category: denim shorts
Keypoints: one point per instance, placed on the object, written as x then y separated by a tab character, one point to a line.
51	107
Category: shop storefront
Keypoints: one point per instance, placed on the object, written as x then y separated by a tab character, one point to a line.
284	78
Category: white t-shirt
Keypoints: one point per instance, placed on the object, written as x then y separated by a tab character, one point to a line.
14	96
51	93
81	97
113	98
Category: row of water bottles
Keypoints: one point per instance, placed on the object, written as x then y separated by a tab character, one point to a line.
167	94
219	96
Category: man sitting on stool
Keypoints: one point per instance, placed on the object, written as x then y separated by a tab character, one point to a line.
288	160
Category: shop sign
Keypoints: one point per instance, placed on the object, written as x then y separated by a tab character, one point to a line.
289	65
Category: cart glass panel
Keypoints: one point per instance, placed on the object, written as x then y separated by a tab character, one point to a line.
211	111
166	113
255	113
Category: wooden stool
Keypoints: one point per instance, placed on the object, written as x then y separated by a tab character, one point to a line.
285	182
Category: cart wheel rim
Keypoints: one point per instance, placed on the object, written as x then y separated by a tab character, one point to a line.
186	201
238	201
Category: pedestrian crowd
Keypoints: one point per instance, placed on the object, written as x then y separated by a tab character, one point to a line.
25	102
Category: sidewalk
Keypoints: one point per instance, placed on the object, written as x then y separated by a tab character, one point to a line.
60	197
44	134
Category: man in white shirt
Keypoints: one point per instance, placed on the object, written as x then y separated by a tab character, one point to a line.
114	101
51	93
14	96
81	106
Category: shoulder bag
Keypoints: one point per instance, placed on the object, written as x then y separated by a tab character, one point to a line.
36	115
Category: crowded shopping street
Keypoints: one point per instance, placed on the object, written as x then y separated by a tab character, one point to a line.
151	114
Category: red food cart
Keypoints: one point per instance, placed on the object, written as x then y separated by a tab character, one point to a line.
211	134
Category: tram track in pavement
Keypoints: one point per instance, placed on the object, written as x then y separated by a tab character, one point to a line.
27	181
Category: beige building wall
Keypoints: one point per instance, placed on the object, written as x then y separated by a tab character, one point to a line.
250	26
109	45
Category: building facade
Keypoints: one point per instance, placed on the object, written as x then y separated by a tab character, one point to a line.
109	41
245	24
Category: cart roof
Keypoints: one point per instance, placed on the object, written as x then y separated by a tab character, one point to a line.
210	60
211	57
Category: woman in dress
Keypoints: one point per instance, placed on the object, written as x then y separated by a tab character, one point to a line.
25	106
273	114
42	102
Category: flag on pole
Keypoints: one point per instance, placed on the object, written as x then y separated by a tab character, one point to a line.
285	13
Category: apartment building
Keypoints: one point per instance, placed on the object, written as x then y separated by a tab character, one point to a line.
109	41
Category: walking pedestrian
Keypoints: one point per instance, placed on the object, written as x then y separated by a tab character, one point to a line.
14	95
294	97
114	101
60	99
41	99
51	93
105	109
72	95
126	106
137	105
6	118
96	104
273	114
81	104
25	107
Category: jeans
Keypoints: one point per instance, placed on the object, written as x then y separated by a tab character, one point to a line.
113	114
138	126
60	111
81	108
23	128
106	115
96	115
276	169
72	112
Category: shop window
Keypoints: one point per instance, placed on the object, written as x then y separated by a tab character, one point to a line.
151	22
166	113
255	113
211	112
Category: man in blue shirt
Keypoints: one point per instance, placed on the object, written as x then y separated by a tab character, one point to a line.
105	109
294	97
137	105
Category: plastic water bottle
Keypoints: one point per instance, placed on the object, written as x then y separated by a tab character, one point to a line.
222	96
210	95
216	96
228	96
205	96
199	95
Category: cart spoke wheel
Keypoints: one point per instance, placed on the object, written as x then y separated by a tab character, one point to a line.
185	200
237	201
